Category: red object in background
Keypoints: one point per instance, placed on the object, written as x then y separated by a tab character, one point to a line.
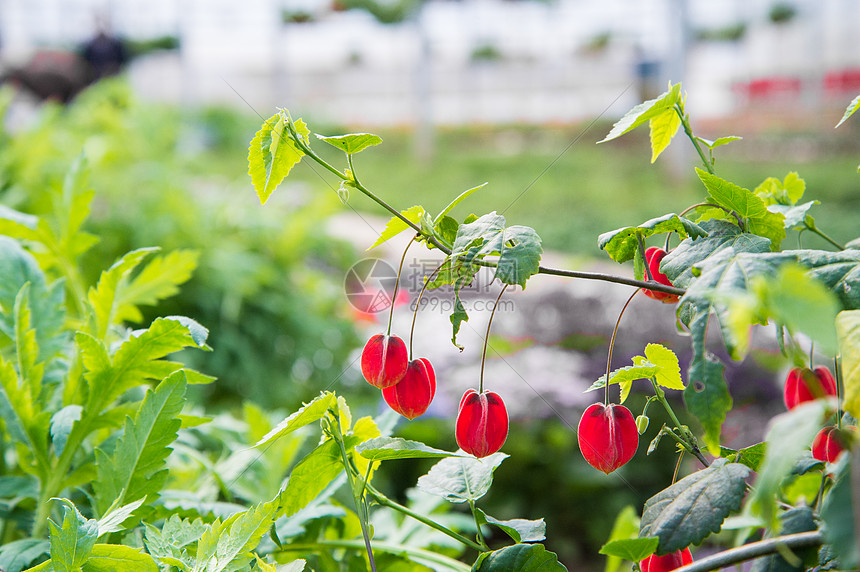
828	444
607	435
653	257
411	396
482	423
769	88
384	360
804	384
668	562
843	81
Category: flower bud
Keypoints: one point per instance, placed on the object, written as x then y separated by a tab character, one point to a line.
384	360
482	423
642	424
411	396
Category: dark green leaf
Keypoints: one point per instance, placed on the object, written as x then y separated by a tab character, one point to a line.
621	244
520	557
19	554
460	479
839	519
387	448
632	549
686	512
458	316
353	142
643	112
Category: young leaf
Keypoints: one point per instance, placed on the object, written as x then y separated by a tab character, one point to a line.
520	557
136	469
643	112
663	128
632	549
626	375
719	142
158	280
73	541
115	516
620	244
108	558
22	417
272	154
626	526
688	511
669	374
518	247
795	216
460	198
848	333
311	476
849	111
386	448
750	456
460	479
395	225
104	297
519	529
353	142
308	413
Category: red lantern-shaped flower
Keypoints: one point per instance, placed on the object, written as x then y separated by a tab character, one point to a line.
384	360
668	562
804	384
653	257
607	436
482	423
411	396
828	444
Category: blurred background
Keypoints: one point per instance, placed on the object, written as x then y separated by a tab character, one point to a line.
163	97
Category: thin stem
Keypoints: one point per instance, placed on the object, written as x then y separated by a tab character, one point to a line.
814	229
677	466
727	210
487	338
326	546
839	391
688	130
612	347
480	535
385	501
755	550
645	260
418	305
397	285
820	495
691	447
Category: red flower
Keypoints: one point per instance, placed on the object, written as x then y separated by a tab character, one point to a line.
804	384
482	423
411	396
384	360
607	436
828	444
668	562
653	257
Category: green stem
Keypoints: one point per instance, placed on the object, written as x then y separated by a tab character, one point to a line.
814	229
691	447
363	517
752	550
644	260
385	501
480	535
325	546
688	130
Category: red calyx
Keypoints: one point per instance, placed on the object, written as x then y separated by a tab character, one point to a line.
384	360
607	436
668	562
482	423
411	396
804	384
653	257
828	444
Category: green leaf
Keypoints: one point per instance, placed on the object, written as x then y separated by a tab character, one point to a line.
73	541
160	279
663	128
626	526
719	142
626	375
198	333
104	298
849	111
519	529
387	448
620	244
669	374
788	436
643	112
61	425
520	557
137	468
116	515
353	142
745	203
17	555
395	225
109	558
308	413
686	512
751	456
783	193
795	216
848	334
460	198
311	476
840	521
632	549
461	479
458	316
272	153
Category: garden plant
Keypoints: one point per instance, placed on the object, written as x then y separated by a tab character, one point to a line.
103	465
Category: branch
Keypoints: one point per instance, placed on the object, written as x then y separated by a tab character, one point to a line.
754	550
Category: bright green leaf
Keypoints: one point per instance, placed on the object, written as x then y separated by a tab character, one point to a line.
460	479
626	526
311	476
663	127
73	540
272	154
19	554
621	244
848	333
849	111
158	280
309	413
643	112
353	142
632	549
719	142
626	375
669	374
520	557
519	529
386	448
104	297
395	225
61	425
460	198
751	456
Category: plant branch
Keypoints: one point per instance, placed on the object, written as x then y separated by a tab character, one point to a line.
691	447
814	229
688	130
753	550
326	546
727	210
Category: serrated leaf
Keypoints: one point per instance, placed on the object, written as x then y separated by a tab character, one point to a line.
395	225
669	374
794	215
113	519
61	425
18	554
789	434
849	111
137	469
352	142
387	448
457	317
620	244
663	128
848	334
311	476
73	540
520	529
308	413
104	297
199	334
158	280
626	375
644	112
461	479
720	141
272	154
688	511
751	208
632	549
751	456
520	557
784	193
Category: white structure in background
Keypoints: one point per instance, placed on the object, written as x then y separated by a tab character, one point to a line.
346	67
